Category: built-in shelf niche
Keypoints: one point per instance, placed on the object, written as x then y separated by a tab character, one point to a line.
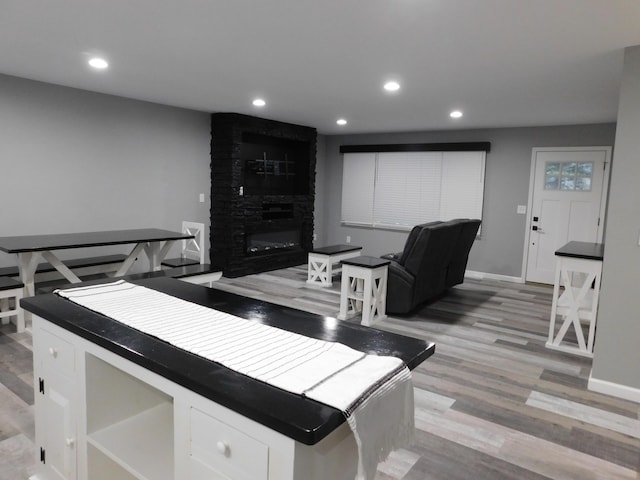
274	166
129	425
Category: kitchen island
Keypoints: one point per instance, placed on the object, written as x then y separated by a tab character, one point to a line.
113	402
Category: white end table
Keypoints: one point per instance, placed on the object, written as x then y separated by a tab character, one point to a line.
321	260
578	271
364	289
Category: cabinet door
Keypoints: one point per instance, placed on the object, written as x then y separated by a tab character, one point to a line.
55	403
58	429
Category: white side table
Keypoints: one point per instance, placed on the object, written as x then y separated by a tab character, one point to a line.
578	271
321	260
364	289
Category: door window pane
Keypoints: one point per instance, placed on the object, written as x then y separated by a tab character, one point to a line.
568	169
567	183
551	183
568	176
552	168
583	184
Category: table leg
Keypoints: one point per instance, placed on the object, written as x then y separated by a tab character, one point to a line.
594	307
351	288
573	317
368	307
162	254
319	270
574	304
375	296
156	252
128	262
27	264
344	294
554	303
60	267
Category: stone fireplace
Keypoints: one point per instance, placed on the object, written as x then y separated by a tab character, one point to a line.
262	193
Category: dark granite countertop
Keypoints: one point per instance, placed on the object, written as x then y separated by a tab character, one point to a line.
366	262
60	241
335	249
586	250
302	419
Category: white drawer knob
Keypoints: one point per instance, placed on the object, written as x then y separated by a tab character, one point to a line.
223	448
69	442
53	352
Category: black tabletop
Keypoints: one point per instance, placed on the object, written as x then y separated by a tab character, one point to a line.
302	419
366	261
60	241
334	249
586	250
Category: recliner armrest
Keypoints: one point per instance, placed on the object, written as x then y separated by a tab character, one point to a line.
400	273
391	256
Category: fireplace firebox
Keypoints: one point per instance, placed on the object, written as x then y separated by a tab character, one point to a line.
266	243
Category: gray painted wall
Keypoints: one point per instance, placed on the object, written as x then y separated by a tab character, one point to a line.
617	350
74	161
499	250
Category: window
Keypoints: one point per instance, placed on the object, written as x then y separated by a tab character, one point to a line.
402	189
568	176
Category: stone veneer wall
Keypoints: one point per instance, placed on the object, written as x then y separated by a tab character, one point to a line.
234	215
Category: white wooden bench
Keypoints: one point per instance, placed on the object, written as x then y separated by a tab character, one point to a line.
11	290
80	266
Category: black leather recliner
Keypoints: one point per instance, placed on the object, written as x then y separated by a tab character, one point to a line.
434	259
458	263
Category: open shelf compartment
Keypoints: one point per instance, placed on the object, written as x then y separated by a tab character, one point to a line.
129	422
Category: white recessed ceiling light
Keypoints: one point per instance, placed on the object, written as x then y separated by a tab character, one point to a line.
258	102
341	121
99	63
455	114
392	86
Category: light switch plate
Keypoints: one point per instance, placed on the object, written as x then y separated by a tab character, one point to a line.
521	210
202	198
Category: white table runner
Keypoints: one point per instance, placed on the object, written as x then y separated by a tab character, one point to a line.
374	392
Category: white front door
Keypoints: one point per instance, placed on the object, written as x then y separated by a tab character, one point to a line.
567	203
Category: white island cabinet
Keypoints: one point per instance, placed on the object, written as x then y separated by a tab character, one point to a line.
101	417
114	403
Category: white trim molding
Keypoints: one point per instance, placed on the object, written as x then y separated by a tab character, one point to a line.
614	389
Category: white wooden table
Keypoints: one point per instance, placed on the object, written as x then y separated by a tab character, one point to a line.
321	260
31	249
364	289
575	296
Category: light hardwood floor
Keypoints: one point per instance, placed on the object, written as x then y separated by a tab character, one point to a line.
491	403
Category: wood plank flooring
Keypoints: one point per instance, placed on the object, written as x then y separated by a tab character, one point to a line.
491	403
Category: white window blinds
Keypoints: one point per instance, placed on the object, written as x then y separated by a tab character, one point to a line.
402	189
358	180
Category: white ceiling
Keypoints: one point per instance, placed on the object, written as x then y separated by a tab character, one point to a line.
503	62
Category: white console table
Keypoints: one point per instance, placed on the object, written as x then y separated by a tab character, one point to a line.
364	289
576	292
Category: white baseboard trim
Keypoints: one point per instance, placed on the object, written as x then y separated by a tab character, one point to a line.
614	389
492	276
